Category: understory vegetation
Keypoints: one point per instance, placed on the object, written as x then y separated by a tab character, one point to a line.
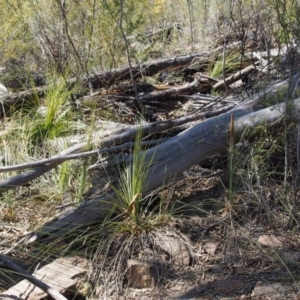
232	218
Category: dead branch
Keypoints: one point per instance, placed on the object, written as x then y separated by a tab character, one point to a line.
233	78
59	159
176	92
46	165
125	136
29	98
23	178
106	79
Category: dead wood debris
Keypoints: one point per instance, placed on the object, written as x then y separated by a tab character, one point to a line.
188	95
175	101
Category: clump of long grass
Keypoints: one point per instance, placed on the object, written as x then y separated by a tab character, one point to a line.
58	119
232	62
41	131
134	221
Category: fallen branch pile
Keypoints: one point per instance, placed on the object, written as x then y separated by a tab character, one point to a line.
176	155
183	119
194	136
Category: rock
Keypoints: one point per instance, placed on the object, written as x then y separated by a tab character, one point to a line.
271	240
268	290
141	274
291	256
228	287
210	248
174	246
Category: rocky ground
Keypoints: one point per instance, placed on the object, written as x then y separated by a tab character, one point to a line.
228	251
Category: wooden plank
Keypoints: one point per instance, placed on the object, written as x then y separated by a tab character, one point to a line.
62	275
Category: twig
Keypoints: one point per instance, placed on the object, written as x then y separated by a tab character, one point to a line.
6	252
128	59
224	59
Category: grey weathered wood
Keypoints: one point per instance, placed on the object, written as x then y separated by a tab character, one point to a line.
37	282
233	78
177	155
16	101
124	134
60	279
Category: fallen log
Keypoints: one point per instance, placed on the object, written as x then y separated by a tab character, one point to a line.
14	102
75	152
106	79
177	155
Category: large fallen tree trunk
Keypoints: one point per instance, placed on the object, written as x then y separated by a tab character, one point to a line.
177	155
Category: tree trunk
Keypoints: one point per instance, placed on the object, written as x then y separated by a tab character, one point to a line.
177	155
